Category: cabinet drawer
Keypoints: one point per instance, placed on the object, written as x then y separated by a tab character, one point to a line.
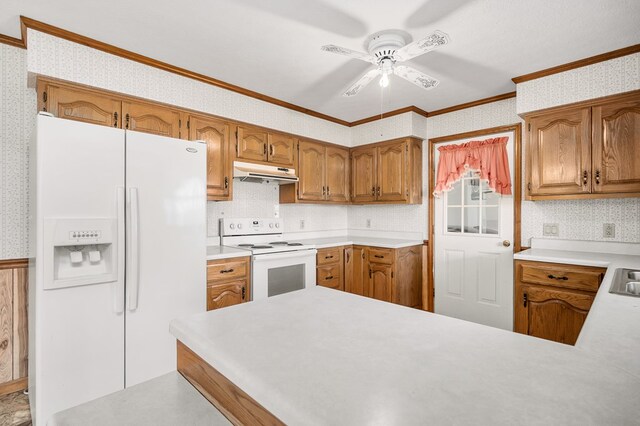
380	255
227	270
227	294
330	276
329	255
559	275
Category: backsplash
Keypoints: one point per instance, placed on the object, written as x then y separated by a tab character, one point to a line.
261	200
17	121
583	219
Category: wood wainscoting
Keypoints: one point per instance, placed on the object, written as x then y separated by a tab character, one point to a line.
13	325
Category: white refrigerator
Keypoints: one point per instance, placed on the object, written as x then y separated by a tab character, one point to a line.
118	237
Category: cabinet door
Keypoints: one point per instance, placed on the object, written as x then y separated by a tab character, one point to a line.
216	134
616	147
392	173
227	294
149	118
337	174
551	314
380	281
281	149
348	268
559	153
252	144
311	162
358	281
83	106
363	175
407	287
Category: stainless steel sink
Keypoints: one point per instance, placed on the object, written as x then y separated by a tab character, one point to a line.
626	282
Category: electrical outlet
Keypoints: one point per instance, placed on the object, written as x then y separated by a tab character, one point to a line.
368	223
550	229
302	224
609	230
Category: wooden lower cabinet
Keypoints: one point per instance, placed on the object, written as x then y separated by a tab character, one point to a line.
552	300
228	282
390	275
330	267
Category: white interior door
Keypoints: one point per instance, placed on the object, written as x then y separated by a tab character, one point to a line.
166	262
473	266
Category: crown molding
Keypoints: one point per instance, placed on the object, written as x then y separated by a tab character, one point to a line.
578	64
411	108
473	103
15	42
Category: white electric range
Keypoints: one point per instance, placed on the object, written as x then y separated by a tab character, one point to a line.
277	266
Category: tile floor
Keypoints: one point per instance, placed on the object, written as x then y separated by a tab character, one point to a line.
14	410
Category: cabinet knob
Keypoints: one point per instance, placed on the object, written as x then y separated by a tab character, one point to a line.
525	299
226	271
506	243
244	292
585	178
597	177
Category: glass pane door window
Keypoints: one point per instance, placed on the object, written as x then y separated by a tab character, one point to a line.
472	207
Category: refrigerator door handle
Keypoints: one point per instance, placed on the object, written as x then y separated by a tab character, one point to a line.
118	302
132	264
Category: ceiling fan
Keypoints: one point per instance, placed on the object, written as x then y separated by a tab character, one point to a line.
386	49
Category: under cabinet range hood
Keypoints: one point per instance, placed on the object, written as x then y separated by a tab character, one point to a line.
250	172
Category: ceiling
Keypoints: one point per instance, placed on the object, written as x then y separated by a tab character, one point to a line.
273	47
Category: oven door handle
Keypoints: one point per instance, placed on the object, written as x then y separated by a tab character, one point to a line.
283	255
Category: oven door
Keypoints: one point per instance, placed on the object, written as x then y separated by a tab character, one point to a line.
278	273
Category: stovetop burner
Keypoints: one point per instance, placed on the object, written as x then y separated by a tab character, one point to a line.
261	247
279	243
295	244
245	245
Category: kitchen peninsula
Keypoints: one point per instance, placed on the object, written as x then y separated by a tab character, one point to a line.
320	356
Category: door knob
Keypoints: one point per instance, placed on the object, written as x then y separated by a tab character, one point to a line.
506	243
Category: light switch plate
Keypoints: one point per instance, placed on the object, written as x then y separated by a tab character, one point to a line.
550	229
609	230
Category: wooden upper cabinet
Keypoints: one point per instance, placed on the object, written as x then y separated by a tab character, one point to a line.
150	118
311	164
560	153
363	174
337	174
252	144
217	135
281	149
616	147
81	105
392	172
591	150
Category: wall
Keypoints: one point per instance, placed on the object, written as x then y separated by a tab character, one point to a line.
17	118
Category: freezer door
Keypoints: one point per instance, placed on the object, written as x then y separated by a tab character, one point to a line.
166	252
77	334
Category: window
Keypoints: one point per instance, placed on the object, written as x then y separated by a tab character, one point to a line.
472	207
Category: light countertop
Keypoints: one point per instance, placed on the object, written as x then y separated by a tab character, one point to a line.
360	240
346	359
167	400
612	328
224	252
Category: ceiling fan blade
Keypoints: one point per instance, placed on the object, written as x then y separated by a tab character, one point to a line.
416	77
430	42
348	52
362	82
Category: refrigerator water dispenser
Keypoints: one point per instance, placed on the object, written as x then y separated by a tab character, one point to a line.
79	252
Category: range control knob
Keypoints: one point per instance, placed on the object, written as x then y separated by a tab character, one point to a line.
277	225
239	226
271	225
232	226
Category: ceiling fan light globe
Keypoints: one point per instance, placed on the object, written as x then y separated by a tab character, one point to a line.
384	80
